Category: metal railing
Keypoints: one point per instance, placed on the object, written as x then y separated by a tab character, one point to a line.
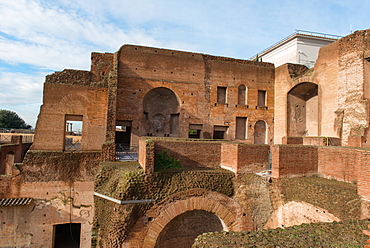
5	138
126	153
72	146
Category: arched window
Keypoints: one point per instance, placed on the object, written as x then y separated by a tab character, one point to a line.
260	132
242	95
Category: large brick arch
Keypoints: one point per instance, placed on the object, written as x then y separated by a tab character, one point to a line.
148	228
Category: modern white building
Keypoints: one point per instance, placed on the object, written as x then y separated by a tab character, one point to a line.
301	47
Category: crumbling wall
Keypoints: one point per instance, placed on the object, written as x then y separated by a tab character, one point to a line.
45	166
61	100
52	203
351	90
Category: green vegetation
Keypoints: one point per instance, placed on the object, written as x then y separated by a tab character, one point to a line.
163	161
336	234
10	119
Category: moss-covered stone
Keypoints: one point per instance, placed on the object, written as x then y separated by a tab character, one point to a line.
126	181
347	234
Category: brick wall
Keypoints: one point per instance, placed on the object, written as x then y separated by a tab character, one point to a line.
252	158
339	163
192	153
363	184
293	160
229	156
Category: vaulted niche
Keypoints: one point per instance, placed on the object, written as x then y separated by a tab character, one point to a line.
303	109
183	229
161	113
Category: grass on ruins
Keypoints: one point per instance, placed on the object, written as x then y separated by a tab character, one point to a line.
346	234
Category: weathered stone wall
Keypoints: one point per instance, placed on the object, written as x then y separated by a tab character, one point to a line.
194	79
61	100
45	166
18	150
341	73
53	203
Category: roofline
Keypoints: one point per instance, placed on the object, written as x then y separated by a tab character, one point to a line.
301	33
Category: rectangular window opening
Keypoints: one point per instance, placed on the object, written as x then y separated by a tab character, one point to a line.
73	132
261	98
221	95
219	132
123	132
67	235
195	131
241	128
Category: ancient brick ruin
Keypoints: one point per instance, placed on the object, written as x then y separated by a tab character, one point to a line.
222	118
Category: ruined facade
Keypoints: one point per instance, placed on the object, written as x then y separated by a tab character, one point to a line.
330	100
220	117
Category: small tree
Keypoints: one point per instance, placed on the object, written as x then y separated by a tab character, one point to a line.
10	119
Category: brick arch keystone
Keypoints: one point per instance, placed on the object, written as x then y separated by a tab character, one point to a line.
227	209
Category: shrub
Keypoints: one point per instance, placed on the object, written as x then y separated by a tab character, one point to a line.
163	161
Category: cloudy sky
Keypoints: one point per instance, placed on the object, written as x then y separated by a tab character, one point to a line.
38	37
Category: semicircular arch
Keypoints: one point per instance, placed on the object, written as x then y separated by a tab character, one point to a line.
226	209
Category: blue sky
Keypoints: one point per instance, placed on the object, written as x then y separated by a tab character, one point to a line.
38	37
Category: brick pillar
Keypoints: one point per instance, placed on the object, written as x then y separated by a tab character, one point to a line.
275	155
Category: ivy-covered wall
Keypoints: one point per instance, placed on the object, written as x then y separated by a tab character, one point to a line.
127	181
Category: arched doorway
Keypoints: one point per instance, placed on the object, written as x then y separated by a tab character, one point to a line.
161	113
182	230
303	106
260	132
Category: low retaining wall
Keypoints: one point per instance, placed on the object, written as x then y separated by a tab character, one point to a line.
192	153
339	163
236	157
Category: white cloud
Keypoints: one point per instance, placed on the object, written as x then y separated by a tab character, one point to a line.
58	34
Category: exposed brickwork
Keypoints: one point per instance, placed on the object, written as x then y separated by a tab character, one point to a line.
192	153
339	163
294	160
44	166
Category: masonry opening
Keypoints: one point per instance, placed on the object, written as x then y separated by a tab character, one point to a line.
67	235
241	128
161	108
260	132
303	104
242	95
195	131
73	132
183	229
261	98
221	95
219	132
123	132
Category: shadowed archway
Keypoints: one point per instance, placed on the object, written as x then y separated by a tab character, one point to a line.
161	111
303	110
